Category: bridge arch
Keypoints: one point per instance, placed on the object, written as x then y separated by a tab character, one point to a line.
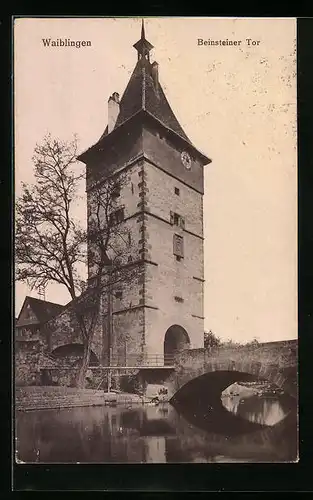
226	372
73	353
176	339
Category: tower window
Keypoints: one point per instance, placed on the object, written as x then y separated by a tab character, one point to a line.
177	191
116	190
117	216
178	245
177	220
178	299
118	294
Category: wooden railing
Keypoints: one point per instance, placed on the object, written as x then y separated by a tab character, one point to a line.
153	360
131	361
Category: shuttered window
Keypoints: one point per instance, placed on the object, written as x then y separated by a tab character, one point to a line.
177	220
178	245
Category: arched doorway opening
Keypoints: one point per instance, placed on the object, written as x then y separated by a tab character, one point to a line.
176	339
73	354
69	357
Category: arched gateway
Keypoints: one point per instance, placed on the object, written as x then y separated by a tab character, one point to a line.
73	353
176	339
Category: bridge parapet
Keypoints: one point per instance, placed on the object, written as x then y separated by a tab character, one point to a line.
283	354
274	361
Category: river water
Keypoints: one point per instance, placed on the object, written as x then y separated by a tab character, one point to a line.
160	434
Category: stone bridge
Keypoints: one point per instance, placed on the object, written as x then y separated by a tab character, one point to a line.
272	361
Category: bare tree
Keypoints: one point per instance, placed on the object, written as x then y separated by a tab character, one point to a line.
109	242
51	245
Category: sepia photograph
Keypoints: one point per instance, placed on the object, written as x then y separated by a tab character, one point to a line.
155	240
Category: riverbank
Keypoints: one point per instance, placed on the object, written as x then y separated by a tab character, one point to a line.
145	434
249	389
56	397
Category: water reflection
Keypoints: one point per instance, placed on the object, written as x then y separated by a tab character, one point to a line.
141	434
156	449
259	410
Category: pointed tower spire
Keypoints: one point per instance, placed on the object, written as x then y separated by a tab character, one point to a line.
143	36
143	101
143	47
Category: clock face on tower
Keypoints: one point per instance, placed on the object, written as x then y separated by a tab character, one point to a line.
186	160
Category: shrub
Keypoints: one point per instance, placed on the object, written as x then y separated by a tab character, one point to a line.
211	340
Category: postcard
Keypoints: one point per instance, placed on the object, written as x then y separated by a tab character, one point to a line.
155	240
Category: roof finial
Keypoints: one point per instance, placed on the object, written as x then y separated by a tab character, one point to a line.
143	47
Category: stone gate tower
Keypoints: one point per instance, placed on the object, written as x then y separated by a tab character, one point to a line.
161	204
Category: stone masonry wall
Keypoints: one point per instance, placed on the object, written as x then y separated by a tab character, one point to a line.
127	297
115	158
26	362
281	353
168	157
173	289
162	198
128	324
63	330
129	335
123	240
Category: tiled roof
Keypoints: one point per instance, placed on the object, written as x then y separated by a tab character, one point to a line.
144	93
141	94
43	309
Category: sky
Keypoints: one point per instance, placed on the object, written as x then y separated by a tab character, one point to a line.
237	104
